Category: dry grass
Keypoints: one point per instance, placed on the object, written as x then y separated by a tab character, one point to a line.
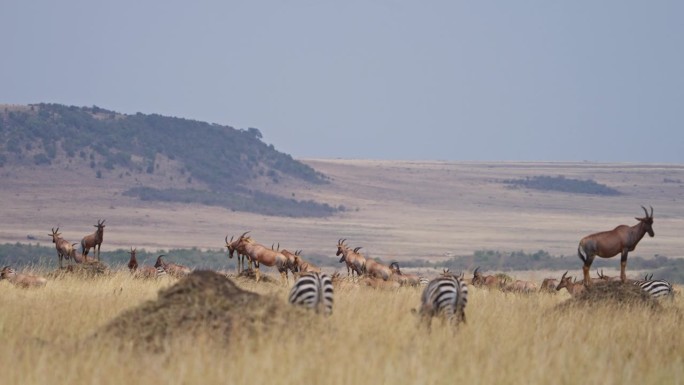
372	338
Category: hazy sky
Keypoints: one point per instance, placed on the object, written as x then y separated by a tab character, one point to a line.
451	80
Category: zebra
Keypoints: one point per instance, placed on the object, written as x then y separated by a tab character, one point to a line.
446	296
314	291
656	288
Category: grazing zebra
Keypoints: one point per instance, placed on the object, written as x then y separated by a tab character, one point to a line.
656	288
314	291
445	296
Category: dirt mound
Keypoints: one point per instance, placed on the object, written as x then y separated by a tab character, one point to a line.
200	304
84	270
613	293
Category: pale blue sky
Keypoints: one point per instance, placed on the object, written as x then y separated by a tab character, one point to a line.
451	80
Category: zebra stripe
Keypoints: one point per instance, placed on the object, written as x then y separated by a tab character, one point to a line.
445	296
656	287
313	291
160	272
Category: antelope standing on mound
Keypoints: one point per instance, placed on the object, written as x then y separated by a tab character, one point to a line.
21	280
172	269
232	247
260	254
607	244
355	261
64	249
93	240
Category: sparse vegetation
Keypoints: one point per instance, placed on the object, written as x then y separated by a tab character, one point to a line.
562	184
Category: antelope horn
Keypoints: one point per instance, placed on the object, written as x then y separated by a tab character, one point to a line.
227	240
245	233
564	274
651	211
476	270
645	212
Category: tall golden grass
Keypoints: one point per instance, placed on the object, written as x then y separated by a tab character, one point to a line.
371	338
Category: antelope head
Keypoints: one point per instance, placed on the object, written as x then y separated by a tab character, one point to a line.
133	263
6	272
647	221
341	247
564	281
394	266
477	276
55	235
100	225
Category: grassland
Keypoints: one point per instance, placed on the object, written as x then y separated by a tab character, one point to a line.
372	338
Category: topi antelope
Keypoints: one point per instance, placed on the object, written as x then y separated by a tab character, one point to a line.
94	240
64	249
145	271
232	247
299	265
574	288
548	285
404	279
519	286
376	269
172	269
21	280
260	254
355	261
621	240
489	281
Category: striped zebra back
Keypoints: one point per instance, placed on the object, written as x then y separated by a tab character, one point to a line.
656	288
445	296
313	291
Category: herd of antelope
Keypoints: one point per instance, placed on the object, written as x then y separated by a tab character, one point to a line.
445	295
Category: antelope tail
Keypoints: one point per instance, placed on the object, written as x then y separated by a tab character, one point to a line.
580	253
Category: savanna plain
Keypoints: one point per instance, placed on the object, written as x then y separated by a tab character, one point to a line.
396	210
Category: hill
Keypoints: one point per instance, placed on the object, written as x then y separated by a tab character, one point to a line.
162	158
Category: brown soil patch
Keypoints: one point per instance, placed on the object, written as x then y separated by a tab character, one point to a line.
203	303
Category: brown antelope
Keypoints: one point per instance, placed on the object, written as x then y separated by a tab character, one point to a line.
376	269
489	281
232	247
64	249
403	279
145	271
574	288
379	283
260	254
519	286
21	280
299	264
94	240
548	285
355	261
172	269
607	244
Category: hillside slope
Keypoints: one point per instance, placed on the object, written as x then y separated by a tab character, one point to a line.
161	158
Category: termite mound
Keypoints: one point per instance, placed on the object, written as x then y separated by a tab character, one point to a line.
204	305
